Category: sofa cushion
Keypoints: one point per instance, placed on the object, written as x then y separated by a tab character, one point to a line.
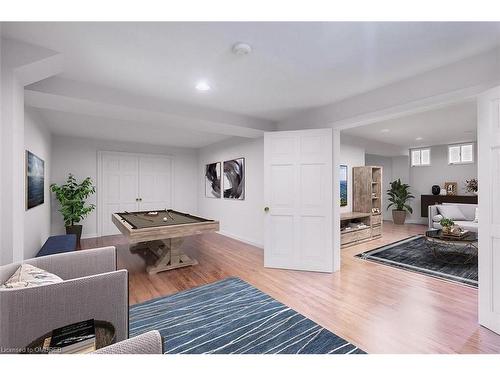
28	276
437	218
469	210
451	212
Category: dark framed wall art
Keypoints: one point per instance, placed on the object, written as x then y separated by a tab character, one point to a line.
213	180
234	179
35	180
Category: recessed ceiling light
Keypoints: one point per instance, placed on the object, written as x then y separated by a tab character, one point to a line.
384	131
203	86
418	138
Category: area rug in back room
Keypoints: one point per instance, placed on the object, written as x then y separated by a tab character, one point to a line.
414	254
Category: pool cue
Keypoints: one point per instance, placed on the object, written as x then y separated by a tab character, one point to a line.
169	214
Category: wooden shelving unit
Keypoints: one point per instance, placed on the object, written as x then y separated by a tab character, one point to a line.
367	195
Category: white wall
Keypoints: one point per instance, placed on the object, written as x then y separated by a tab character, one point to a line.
21	64
79	156
12	149
37	139
243	220
351	155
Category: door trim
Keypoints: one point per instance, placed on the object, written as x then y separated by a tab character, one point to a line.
99	182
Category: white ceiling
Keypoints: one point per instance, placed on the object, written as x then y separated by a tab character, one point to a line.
78	125
293	65
451	124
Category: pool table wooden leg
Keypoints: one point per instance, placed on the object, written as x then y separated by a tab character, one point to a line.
169	255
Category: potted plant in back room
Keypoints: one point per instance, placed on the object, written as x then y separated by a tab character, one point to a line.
399	196
471	186
72	196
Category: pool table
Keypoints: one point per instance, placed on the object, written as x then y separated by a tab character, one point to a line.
162	234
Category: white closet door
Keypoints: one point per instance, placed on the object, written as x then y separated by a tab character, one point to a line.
119	188
155	183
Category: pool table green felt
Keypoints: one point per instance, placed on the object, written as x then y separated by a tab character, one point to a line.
140	220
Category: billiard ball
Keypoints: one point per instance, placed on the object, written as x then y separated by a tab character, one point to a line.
165	219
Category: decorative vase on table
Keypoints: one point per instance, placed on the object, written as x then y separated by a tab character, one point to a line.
436	189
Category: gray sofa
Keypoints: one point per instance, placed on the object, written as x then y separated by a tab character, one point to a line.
468	211
92	288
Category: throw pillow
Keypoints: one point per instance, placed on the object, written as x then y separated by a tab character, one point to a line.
28	276
451	212
437	218
476	217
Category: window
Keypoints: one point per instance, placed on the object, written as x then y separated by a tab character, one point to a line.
420	157
461	154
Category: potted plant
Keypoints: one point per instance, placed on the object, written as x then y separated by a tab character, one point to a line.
72	196
471	186
447	225
399	195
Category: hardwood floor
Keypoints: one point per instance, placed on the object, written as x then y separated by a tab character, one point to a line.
381	309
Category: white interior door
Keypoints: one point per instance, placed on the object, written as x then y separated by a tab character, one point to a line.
489	208
155	183
298	198
119	188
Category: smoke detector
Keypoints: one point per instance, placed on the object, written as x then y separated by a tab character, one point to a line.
242	49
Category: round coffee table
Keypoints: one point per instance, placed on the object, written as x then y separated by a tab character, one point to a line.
465	246
104	336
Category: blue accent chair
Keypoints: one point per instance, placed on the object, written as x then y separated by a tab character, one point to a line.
58	244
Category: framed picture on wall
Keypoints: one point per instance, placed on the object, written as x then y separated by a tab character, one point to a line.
212	180
234	179
451	188
35	180
343	185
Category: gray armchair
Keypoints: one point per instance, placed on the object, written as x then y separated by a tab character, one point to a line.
92	289
147	343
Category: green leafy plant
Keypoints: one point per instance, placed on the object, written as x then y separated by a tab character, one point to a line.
446	223
72	196
399	195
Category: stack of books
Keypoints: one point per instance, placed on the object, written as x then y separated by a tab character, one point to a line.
77	338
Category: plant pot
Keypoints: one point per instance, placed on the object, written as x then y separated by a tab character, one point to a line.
398	217
75	229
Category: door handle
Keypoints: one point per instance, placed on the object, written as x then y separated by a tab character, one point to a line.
266	209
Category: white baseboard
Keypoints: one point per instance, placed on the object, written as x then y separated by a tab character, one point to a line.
241	239
90	235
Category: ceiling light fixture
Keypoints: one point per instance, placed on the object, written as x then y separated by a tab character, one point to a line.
384	131
418	138
203	86
242	49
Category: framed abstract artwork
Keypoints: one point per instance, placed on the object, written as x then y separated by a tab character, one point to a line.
234	179
212	180
343	185
35	180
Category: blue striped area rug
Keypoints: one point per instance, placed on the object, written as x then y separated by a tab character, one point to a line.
231	316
